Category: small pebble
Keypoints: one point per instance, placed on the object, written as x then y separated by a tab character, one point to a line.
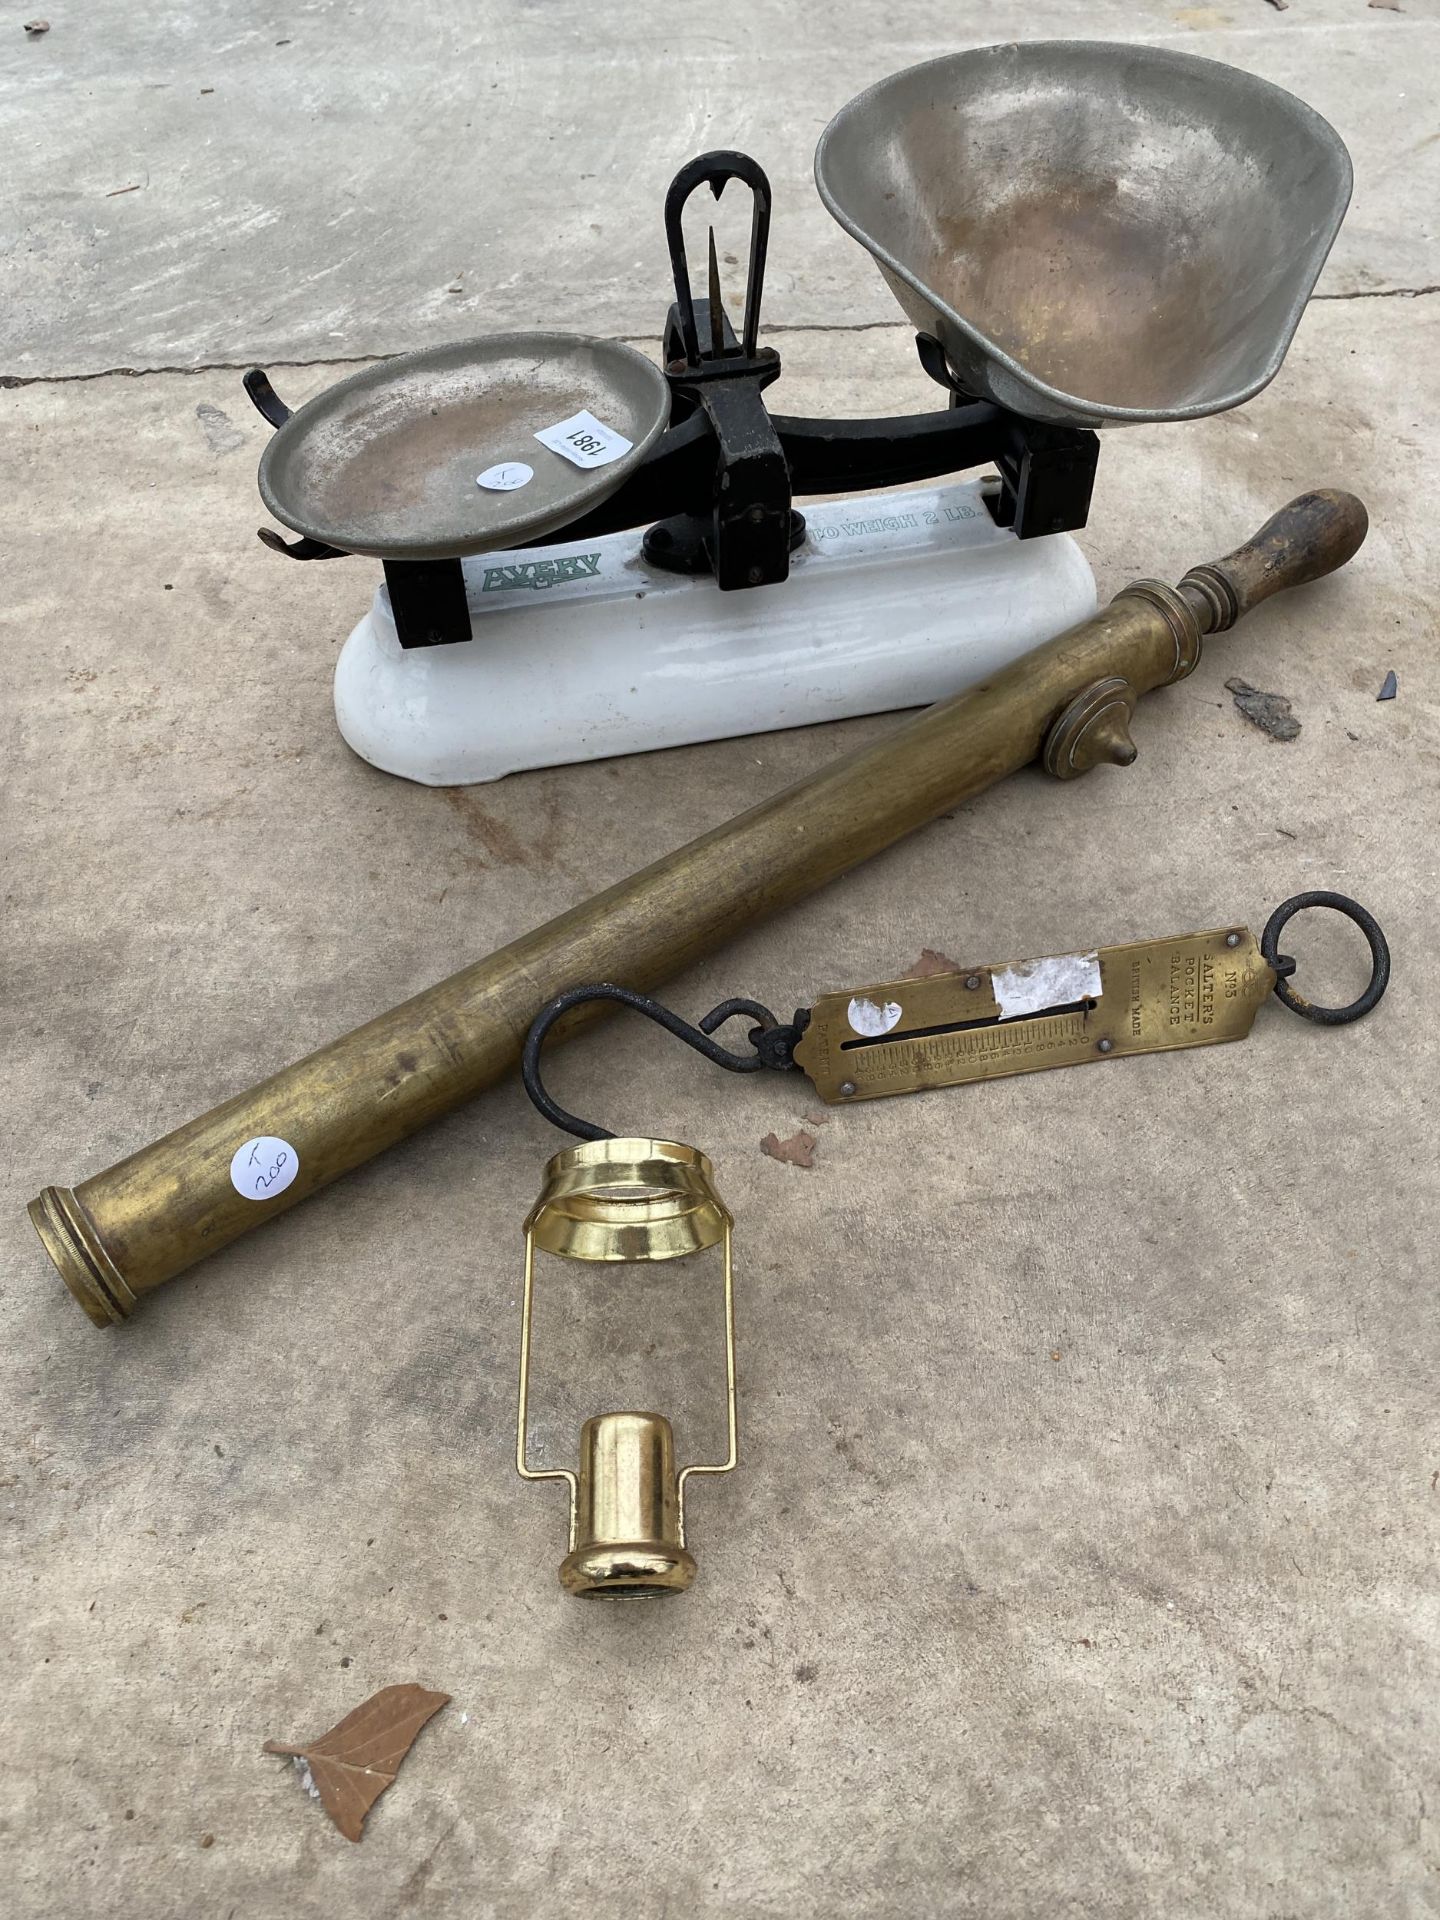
1391	687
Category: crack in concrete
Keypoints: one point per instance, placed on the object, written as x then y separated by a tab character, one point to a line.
1381	293
12	380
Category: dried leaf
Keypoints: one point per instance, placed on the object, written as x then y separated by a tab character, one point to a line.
352	1765
1387	6
797	1151
931	962
1268	711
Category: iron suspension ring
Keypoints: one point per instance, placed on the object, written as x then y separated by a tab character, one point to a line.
1284	966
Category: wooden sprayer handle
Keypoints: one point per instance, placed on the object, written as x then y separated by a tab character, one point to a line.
1308	538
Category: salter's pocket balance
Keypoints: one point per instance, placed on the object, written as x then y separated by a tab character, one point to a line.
963	1024
1084	234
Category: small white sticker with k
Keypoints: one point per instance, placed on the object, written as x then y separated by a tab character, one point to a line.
584	441
263	1167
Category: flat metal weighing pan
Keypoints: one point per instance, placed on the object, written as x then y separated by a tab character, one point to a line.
1096	233
386	462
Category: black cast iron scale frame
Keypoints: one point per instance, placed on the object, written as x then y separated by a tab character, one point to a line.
737	466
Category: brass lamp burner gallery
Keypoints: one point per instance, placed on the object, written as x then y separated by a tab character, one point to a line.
626	1202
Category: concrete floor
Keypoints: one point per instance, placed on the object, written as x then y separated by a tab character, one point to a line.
1082	1557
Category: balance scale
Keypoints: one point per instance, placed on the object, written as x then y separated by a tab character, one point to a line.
587	555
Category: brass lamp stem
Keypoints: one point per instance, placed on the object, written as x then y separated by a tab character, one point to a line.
522	1463
733	1454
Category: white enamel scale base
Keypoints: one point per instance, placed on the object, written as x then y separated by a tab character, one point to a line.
582	650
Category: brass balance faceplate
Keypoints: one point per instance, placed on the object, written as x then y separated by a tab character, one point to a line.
984	1022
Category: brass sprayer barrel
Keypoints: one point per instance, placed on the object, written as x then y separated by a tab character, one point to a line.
126	1231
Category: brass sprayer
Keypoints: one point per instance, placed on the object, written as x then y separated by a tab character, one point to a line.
128	1230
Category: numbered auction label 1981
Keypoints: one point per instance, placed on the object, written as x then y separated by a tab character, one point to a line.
584	441
263	1167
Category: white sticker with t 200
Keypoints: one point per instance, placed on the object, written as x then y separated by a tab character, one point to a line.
263	1167
585	441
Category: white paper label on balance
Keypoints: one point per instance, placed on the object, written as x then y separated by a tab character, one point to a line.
870	1019
262	1167
1034	986
584	441
505	478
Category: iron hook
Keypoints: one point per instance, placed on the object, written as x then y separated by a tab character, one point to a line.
773	1043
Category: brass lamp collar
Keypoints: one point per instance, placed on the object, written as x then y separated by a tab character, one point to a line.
628	1200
